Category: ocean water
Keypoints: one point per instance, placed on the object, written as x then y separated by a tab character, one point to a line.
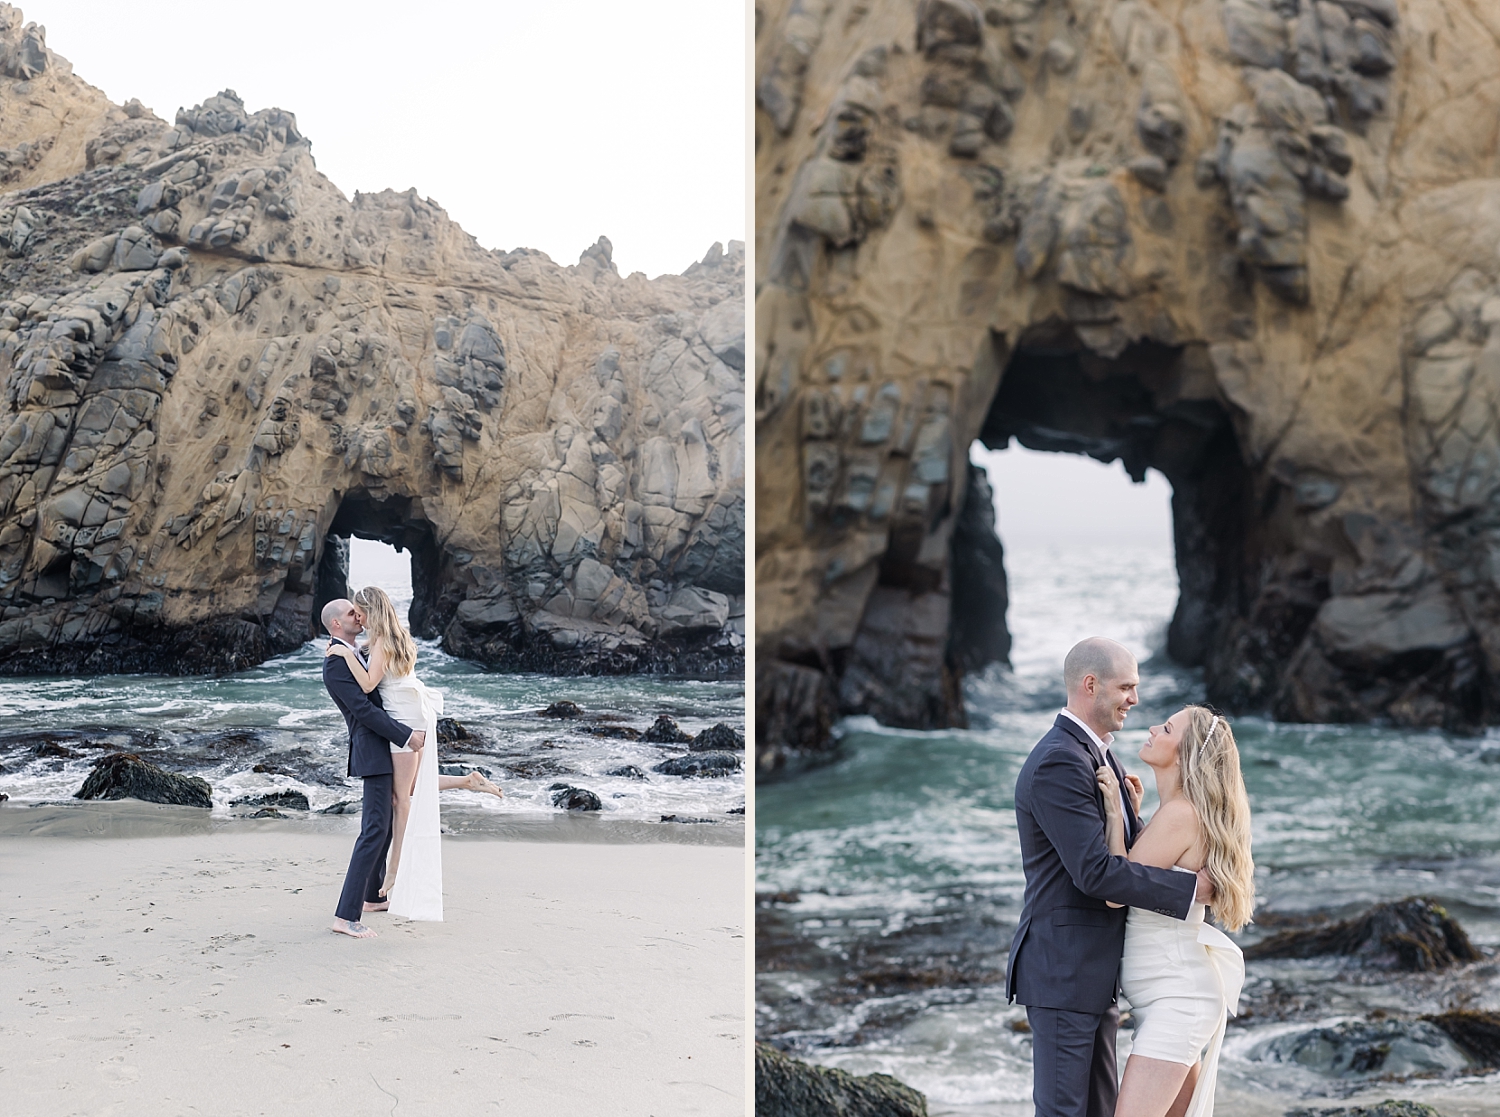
274	728
889	883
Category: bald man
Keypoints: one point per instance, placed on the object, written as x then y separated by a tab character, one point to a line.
1065	958
372	732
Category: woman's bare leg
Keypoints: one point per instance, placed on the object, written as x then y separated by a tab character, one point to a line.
1150	1087
1185	1095
405	764
474	781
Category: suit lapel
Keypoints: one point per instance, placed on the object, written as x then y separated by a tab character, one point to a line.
1132	823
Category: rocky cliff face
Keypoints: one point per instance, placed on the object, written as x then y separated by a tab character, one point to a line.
1249	243
216	366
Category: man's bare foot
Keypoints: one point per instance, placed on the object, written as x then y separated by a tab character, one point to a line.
474	781
355	930
382	906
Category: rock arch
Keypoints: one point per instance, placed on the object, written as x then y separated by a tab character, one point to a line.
1256	220
213	362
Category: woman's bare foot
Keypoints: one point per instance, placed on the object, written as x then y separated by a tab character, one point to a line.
474	781
355	930
384	905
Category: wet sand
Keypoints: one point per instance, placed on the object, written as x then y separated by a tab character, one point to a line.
177	967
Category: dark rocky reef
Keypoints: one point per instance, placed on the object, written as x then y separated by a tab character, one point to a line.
1415	934
126	776
787	1087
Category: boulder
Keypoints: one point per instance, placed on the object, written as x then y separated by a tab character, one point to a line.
450	731
1367	1049
1387	1108
719	738
1415	934
463	770
571	798
562	709
127	776
627	771
344	806
787	1087
664	731
1476	1032
699	764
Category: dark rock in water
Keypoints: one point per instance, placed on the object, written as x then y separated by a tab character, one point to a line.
615	732
1368	1049
1387	1108
1477	1033
450	731
563	709
699	764
574	798
538	769
52	748
664	731
463	770
787	1087
3	797
124	775
345	806
720	738
736	810
1414	934
627	771
268	812
288	800
683	818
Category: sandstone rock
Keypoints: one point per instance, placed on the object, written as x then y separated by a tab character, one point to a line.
787	1087
218	367
127	776
1299	343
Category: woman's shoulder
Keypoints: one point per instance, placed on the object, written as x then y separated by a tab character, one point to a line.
1177	813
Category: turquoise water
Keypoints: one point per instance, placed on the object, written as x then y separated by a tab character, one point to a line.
899	877
279	717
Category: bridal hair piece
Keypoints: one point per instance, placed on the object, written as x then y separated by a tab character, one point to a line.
386	629
1209	765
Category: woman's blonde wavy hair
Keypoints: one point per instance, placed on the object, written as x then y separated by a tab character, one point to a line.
386	629
1209	765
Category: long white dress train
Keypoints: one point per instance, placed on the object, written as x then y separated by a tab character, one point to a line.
1183	980
418	891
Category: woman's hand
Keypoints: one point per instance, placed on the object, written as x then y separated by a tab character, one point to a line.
1106	777
335	648
1136	791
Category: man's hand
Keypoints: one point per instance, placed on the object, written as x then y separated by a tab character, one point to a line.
1205	892
417	739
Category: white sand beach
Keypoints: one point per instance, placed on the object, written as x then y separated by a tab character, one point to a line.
190	970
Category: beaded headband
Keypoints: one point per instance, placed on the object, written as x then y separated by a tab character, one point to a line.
1207	737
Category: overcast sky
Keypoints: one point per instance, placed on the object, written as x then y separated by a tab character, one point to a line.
1070	499
534	124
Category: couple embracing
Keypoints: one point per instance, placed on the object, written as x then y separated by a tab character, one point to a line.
397	863
1115	904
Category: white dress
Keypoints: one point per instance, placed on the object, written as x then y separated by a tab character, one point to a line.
1182	979
418	891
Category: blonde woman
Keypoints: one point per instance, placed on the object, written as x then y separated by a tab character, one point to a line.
1182	978
414	867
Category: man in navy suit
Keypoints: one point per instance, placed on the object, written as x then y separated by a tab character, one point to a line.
1065	959
370	730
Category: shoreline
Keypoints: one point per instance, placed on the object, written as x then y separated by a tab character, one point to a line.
135	819
195	973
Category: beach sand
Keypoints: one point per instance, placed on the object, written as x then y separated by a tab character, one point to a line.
158	964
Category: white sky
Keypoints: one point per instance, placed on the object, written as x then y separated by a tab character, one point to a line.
1043	498
534	124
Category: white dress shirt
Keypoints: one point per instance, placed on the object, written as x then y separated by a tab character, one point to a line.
1103	743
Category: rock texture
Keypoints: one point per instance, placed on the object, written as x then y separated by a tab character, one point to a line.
216	368
787	1087
1249	243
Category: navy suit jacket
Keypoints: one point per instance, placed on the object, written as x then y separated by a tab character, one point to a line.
1066	951
370	727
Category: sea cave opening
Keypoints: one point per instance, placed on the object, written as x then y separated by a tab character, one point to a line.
385	541
1152	415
